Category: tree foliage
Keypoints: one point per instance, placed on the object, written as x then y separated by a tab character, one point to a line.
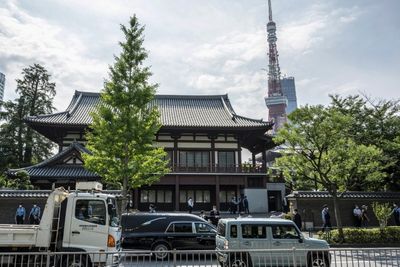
21	181
125	123
323	154
20	145
375	123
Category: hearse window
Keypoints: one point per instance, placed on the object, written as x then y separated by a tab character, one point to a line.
221	229
284	232
93	211
234	231
203	228
254	231
183	228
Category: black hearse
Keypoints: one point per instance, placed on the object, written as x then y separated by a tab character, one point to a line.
161	232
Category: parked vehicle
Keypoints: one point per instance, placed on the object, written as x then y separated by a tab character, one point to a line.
276	235
161	232
82	221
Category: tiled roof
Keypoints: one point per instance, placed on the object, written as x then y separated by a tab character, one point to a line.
9	193
50	169
348	195
175	111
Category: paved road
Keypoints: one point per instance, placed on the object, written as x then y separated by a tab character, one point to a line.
352	258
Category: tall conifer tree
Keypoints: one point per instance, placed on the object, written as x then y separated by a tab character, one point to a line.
126	121
20	145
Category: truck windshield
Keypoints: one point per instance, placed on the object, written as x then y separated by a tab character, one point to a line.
113	212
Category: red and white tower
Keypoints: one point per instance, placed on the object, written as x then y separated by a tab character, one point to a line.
275	100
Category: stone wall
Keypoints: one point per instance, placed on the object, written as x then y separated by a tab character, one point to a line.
310	210
8	207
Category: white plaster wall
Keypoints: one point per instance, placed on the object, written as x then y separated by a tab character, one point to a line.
194	145
258	199
226	145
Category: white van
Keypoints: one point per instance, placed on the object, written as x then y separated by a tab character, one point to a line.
267	242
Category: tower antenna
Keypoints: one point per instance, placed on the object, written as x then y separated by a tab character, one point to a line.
275	100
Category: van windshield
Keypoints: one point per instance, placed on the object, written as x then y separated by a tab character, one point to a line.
113	212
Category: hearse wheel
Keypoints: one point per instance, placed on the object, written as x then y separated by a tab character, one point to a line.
161	251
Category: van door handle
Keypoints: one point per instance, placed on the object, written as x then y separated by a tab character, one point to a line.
247	243
277	243
76	232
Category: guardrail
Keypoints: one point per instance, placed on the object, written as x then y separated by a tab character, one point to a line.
353	257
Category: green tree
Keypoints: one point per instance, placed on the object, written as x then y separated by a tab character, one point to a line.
382	211
21	181
375	123
322	153
125	123
20	145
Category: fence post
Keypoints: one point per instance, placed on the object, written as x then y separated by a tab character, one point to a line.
48	259
174	257
294	256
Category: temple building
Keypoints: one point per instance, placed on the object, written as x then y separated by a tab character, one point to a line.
203	137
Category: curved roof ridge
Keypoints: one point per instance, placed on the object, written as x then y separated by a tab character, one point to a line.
73	145
45	115
75	106
250	119
226	108
86	93
190	96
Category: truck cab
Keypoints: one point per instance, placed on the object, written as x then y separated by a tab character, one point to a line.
83	222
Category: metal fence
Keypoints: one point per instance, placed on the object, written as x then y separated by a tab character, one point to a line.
370	257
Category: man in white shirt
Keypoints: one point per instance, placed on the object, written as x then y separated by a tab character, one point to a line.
190	204
357	216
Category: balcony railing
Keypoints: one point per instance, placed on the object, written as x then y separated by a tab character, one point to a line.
237	168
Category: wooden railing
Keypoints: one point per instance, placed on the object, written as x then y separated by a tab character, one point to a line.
237	168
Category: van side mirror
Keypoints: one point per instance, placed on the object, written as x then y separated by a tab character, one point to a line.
301	239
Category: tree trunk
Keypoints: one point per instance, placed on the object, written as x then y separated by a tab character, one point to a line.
124	194
338	216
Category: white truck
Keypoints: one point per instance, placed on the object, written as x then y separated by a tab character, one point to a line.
83	223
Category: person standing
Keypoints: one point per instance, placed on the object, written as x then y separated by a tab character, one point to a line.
233	206
34	215
20	214
364	216
190	204
357	216
214	215
297	219
326	218
396	214
152	208
246	205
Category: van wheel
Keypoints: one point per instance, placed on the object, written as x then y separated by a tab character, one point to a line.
240	261
161	251
319	260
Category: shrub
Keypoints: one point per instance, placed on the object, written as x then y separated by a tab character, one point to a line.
389	234
382	212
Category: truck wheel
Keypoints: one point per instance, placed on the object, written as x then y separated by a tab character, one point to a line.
76	261
161	251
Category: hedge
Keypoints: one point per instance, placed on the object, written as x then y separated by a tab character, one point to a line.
388	235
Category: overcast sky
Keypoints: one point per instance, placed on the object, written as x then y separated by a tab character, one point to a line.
210	46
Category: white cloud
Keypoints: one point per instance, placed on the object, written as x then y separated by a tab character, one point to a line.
25	40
